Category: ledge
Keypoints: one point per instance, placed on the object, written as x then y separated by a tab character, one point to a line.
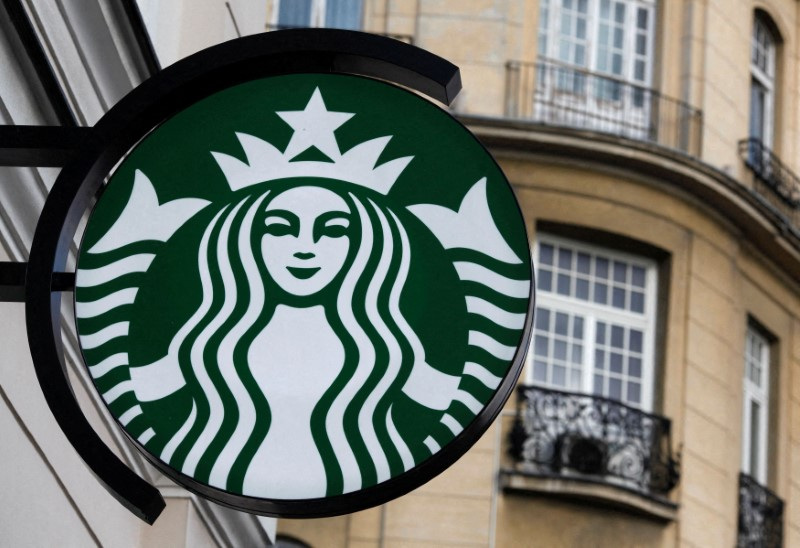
589	491
766	227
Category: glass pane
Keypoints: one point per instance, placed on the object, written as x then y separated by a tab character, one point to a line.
635	367
637	276
296	13
543	319
584	263
599	360
601	293
598	384
563	284
619	12
540	346
577	327
545	280
562	324
616	64
546	254
600	337
641	19
565	259
618	38
560	350
635	342
601	268
582	289
574	379
343	14
637	302
755	419
559	376
539	371
615	363
634	392
618	300
615	389
617	336
577	354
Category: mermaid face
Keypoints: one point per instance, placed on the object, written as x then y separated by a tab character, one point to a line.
306	240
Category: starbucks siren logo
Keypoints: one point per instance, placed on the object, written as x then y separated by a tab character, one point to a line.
297	321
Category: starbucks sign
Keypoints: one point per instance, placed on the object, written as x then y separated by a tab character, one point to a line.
302	287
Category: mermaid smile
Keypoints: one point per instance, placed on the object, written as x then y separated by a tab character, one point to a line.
301	272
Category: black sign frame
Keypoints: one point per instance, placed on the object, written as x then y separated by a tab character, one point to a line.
168	92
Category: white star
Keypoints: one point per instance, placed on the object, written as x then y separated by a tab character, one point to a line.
314	126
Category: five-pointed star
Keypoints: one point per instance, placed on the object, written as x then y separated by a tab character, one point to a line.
314	126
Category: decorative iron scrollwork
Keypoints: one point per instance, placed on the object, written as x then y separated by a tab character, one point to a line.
561	434
760	515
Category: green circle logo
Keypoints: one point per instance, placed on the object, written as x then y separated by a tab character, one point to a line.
302	286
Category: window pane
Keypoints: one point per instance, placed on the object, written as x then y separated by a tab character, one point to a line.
634	392
635	343
565	259
540	346
584	263
635	368
637	302
343	14
559	376
560	350
601	293
615	363
618	300
755	419
582	289
641	19
296	13
563	284
545	280
543	319
617	336
577	327
539	371
637	276
615	389
601	268
562	324
599	360
577	354
546	254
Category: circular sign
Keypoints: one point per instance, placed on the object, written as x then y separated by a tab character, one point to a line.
305	294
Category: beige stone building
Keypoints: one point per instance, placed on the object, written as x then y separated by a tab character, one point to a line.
653	145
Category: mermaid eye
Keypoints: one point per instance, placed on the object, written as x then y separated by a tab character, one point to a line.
280	223
333	225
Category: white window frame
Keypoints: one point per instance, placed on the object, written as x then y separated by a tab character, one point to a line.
755	391
318	13
593	313
764	76
552	31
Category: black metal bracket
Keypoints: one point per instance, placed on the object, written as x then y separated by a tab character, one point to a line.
98	150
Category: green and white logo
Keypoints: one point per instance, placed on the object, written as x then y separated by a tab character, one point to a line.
302	286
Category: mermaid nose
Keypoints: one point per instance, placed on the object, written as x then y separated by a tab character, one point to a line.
304	255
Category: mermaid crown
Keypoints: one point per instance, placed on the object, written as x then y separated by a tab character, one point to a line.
313	127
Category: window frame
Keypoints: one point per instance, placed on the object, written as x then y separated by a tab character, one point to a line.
593	313
752	393
550	34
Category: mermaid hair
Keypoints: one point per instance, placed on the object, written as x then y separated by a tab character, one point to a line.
352	424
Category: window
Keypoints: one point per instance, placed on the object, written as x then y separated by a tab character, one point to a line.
762	83
340	14
611	37
755	408
595	321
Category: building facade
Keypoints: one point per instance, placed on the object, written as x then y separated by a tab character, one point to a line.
653	146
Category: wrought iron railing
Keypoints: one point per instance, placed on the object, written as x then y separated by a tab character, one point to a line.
407	38
564	435
557	94
760	515
773	181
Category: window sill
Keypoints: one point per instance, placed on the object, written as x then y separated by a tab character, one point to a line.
590	491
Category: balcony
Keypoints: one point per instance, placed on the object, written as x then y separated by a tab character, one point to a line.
560	95
760	515
581	438
775	183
